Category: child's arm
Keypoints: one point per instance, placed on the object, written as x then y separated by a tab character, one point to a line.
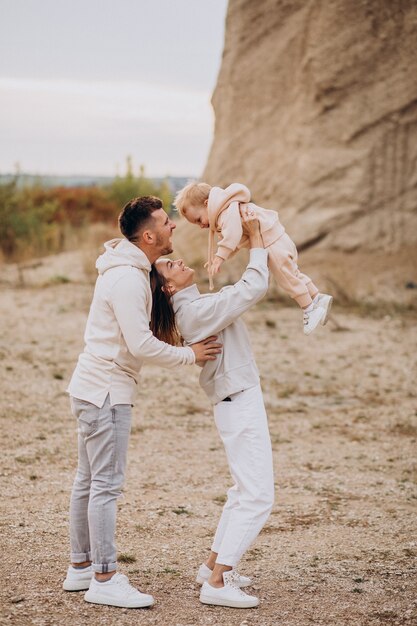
230	223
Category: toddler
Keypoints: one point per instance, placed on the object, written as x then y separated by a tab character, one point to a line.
219	210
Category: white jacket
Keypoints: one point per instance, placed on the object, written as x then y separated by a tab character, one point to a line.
117	336
199	316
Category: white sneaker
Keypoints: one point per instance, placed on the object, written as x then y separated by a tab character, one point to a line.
205	572
325	301
117	592
229	595
78	579
312	319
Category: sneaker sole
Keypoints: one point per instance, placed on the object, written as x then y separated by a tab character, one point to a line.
200	580
71	585
327	309
234	604
94	598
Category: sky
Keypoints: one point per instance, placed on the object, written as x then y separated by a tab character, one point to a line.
84	83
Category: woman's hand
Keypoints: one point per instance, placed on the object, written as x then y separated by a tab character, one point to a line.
252	226
206	350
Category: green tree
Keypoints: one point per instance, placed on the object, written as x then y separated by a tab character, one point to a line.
129	186
25	225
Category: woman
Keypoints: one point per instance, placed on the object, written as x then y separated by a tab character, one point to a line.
232	384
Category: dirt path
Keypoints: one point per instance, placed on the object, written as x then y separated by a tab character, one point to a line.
338	548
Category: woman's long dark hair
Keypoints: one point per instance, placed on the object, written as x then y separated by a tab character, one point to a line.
162	323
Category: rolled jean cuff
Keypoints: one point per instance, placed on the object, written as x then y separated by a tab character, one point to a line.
229	559
80	557
104	568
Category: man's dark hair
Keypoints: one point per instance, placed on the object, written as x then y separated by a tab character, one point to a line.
136	214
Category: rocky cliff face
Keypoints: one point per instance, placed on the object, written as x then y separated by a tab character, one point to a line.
316	111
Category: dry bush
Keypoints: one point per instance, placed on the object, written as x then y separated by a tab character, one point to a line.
91	245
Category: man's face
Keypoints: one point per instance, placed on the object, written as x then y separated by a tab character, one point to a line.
162	227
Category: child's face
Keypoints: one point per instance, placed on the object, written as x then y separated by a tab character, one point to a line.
198	216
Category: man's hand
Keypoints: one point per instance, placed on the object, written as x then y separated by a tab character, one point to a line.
206	350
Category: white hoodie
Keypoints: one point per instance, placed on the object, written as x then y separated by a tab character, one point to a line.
117	336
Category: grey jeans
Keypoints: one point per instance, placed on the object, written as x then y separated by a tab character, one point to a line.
103	437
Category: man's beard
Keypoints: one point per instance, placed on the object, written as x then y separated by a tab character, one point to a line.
165	249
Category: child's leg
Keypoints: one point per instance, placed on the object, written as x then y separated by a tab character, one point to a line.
312	289
243	427
282	261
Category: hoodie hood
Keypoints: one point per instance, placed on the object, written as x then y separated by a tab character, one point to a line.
219	200
122	252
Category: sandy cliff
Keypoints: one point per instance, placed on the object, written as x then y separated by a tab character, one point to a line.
316	111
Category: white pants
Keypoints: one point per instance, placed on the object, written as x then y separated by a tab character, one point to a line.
243	426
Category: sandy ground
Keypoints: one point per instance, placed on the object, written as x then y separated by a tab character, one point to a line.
340	546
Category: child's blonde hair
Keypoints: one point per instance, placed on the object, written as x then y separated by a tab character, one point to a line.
192	194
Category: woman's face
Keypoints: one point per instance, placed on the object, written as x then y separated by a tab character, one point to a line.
177	275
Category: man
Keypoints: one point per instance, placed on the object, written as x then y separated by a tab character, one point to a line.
117	341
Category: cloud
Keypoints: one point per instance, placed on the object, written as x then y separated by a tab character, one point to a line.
62	126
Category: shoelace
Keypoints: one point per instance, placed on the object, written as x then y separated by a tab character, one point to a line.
233	581
123	581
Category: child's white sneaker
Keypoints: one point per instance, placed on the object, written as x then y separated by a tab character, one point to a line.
117	591
205	572
229	595
325	301
78	579
312	318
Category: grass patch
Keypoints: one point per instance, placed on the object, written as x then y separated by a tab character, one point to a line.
181	510
59	279
405	427
137	429
25	460
286	392
171	570
124	557
361	418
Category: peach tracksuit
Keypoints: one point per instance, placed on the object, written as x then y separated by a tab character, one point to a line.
225	220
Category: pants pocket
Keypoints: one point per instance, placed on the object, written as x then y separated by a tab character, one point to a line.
87	424
87	416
